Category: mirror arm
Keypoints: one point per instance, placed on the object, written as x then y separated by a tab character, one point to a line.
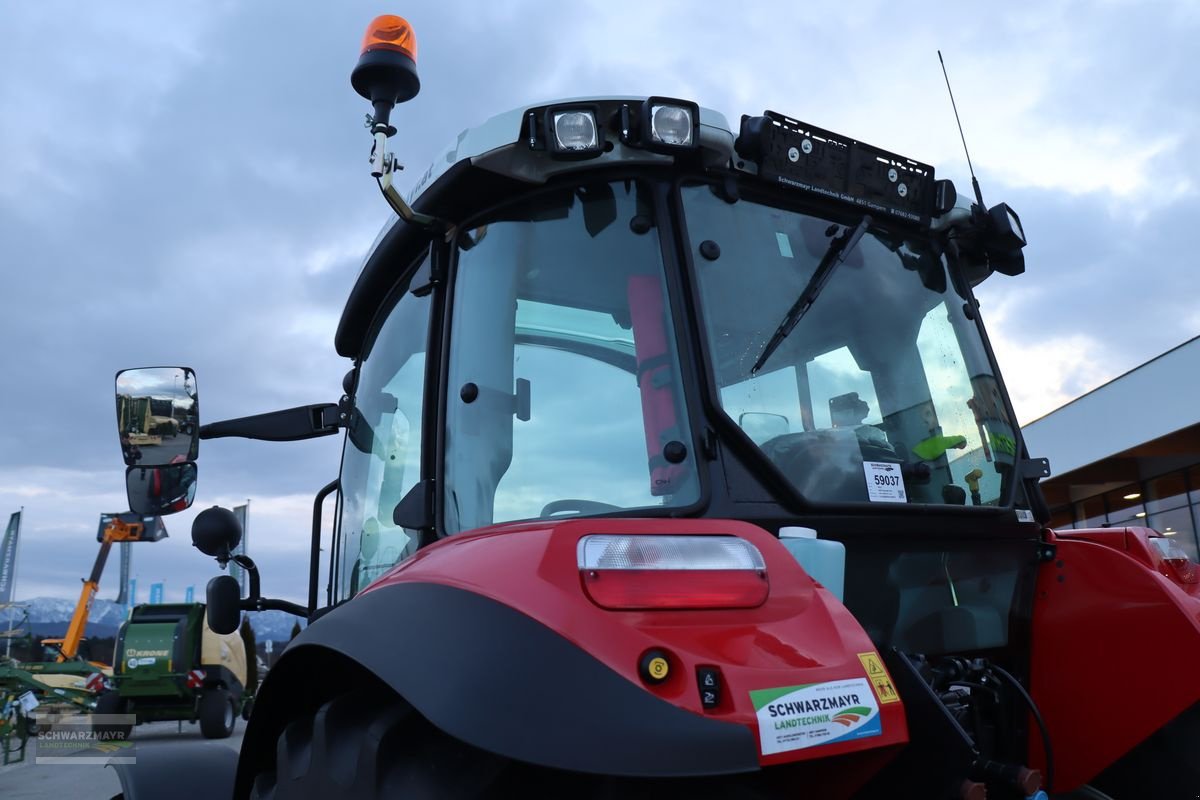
256	602
314	557
267	604
288	425
247	563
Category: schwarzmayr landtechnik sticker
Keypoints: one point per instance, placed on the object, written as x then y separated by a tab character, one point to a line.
795	717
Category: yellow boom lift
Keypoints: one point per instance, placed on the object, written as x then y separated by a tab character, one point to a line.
127	527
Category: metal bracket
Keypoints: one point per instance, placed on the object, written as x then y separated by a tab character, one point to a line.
384	166
1031	468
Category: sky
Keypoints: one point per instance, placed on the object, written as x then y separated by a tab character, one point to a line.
186	183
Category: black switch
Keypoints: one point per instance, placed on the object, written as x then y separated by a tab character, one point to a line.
708	679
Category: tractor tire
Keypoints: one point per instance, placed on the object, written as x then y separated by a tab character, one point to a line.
371	744
365	745
217	714
111	703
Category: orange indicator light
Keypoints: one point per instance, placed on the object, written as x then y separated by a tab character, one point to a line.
389	32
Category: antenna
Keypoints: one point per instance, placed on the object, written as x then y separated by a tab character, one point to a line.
974	182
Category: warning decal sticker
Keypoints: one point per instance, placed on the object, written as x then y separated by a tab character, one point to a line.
878	675
796	717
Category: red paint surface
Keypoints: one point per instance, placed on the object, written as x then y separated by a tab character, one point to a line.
800	635
1116	644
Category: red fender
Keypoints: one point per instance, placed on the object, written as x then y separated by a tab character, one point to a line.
1116	644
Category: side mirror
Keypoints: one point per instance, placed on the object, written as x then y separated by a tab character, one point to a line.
158	416
154	491
224	597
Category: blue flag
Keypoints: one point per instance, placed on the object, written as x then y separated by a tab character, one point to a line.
243	517
189	595
156	593
8	558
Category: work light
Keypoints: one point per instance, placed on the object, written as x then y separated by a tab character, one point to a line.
573	132
669	125
1008	232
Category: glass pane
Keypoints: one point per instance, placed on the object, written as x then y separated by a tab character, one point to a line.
1193	474
833	376
1089	513
1166	492
1178	524
565	389
895	393
382	457
766	405
1125	505
1062	519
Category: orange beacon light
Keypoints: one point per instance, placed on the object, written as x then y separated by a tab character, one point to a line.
386	73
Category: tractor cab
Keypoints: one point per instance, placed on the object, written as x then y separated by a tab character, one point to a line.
627	307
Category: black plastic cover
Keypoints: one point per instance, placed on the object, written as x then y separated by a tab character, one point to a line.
815	160
497	679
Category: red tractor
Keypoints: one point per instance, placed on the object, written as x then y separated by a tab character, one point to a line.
677	463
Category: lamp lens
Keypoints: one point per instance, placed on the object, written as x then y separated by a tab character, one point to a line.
575	130
671	125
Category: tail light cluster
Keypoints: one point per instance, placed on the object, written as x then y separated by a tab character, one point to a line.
1174	562
644	571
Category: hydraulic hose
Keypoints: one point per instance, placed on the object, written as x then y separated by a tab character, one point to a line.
1037	717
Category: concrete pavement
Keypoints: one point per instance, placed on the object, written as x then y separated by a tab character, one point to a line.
32	781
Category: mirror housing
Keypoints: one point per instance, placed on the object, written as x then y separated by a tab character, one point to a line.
156	491
224	597
216	532
158	416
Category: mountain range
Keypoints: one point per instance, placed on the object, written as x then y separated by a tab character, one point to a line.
50	616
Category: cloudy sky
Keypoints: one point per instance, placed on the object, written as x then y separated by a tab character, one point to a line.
185	183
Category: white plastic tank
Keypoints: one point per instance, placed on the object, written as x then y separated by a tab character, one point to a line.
824	560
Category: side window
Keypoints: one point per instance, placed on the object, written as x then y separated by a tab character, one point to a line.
968	421
564	388
382	457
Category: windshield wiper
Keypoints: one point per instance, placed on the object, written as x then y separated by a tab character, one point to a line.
838	250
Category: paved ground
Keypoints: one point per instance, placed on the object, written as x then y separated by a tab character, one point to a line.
32	781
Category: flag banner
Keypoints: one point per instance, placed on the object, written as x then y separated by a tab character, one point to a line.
8	558
156	593
133	591
243	517
189	595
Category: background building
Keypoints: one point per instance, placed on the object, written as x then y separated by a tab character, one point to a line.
1128	453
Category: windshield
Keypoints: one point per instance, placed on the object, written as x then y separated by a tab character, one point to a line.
565	395
882	392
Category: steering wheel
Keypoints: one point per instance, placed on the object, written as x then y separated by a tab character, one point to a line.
576	506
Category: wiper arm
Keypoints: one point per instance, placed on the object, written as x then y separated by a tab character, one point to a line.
838	250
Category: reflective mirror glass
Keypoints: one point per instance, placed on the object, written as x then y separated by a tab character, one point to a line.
160	490
761	426
153	528
158	416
